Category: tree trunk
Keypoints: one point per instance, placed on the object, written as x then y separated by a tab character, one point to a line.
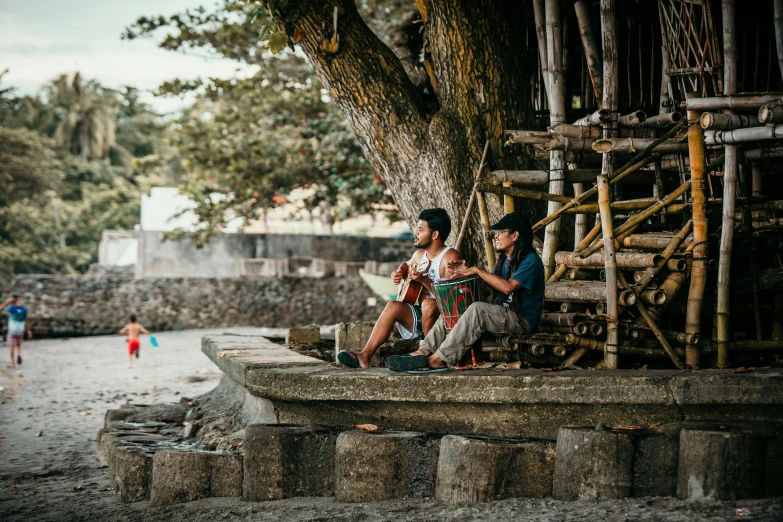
427	159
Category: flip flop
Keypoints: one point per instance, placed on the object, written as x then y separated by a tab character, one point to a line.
405	363
348	359
428	369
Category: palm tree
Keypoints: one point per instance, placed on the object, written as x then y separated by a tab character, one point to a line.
87	128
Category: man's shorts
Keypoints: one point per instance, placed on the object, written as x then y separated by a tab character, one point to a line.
15	338
417	332
133	346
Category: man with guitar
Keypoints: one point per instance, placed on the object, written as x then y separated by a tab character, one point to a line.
415	310
516	300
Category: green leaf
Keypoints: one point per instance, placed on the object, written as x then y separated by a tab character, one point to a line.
278	42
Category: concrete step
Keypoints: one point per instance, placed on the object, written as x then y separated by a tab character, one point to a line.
130	472
283	461
478	469
371	466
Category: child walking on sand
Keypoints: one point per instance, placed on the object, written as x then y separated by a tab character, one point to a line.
132	330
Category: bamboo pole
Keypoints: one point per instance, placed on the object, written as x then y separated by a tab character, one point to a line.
654	327
622	260
595	118
561	319
632	119
648	241
489	249
770	114
753	101
577	131
631	145
662	121
508	199
561	270
584	292
767	153
778	22
574	358
554	41
717	121
755	170
699	265
580	223
729	190
464	226
720	137
590	47
541	177
538	15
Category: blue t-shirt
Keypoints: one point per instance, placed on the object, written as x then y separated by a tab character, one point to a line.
17	315
527	300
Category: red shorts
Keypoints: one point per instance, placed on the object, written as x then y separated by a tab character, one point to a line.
133	346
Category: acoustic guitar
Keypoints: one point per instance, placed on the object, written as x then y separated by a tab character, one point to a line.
411	291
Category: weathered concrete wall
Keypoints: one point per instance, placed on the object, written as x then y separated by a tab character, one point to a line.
158	258
98	305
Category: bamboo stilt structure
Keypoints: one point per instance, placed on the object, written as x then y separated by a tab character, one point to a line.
720	137
580	223
557	165
699	266
590	47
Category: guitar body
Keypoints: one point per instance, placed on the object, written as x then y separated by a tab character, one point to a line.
412	292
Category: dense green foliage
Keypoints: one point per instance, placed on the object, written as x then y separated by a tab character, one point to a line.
73	162
250	141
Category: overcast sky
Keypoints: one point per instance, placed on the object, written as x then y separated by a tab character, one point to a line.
39	39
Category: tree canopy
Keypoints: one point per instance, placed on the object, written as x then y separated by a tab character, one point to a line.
423	85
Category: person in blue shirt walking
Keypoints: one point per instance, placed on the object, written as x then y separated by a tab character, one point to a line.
515	304
18	323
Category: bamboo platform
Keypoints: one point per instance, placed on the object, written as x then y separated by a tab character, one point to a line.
656	272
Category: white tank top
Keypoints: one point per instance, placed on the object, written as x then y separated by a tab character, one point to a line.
434	272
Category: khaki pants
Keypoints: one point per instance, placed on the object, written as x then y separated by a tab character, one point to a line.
477	319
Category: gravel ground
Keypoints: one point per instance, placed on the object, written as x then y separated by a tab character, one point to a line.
52	407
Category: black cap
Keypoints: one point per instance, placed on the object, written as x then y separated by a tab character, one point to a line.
516	222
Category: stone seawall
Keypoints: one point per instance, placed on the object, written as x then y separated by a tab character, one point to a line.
99	305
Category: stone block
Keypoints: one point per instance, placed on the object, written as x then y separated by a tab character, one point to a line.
375	466
130	472
184	476
592	464
351	337
720	464
303	334
111	439
283	461
477	469
655	462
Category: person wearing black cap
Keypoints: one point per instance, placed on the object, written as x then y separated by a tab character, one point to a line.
516	299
